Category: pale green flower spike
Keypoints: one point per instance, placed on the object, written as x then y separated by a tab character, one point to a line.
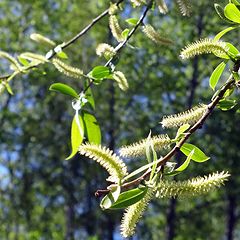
162	6
152	34
120	78
191	188
11	59
203	46
112	9
185	7
42	40
190	116
139	148
138	3
33	57
66	69
115	28
107	159
134	213
104	49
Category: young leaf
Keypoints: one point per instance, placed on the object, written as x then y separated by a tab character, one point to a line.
223	32
232	13
183	166
226	104
64	89
129	198
132	21
181	130
155	161
62	55
198	155
235	2
77	134
100	72
232	51
110	198
92	128
89	96
216	75
125	33
220	12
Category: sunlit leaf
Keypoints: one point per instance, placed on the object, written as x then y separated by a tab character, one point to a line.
197	156
110	198
132	21
77	134
64	89
216	75
129	198
227	104
92	128
232	13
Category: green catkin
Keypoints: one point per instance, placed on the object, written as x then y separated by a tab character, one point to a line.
133	214
138	3
152	34
162	6
42	40
66	69
112	9
191	188
11	59
33	57
121	80
107	159
115	28
203	46
104	49
190	116
185	7
139	148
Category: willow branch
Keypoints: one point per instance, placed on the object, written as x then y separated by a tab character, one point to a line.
122	44
177	147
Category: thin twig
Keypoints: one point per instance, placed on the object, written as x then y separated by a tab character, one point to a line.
122	44
177	147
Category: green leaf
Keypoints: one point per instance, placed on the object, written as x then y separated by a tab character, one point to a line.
155	161
89	96
183	166
125	33
223	32
216	75
220	12
232	51
148	148
9	89
64	89
132	21
226	104
198	155
232	13
77	134
100	72
23	61
92	128
110	198
62	55
129	198
141	169
181	130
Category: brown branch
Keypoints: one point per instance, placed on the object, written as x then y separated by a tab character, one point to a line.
177	147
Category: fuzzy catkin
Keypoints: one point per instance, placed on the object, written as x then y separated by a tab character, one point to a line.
152	34
66	69
139	148
190	116
185	7
115	28
104	49
190	188
10	59
121	80
107	159
42	40
33	57
203	46
133	214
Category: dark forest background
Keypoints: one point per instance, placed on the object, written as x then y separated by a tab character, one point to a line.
42	196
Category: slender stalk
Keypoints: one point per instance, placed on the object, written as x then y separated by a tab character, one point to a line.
177	147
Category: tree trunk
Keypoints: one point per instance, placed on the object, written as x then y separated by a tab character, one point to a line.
231	215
